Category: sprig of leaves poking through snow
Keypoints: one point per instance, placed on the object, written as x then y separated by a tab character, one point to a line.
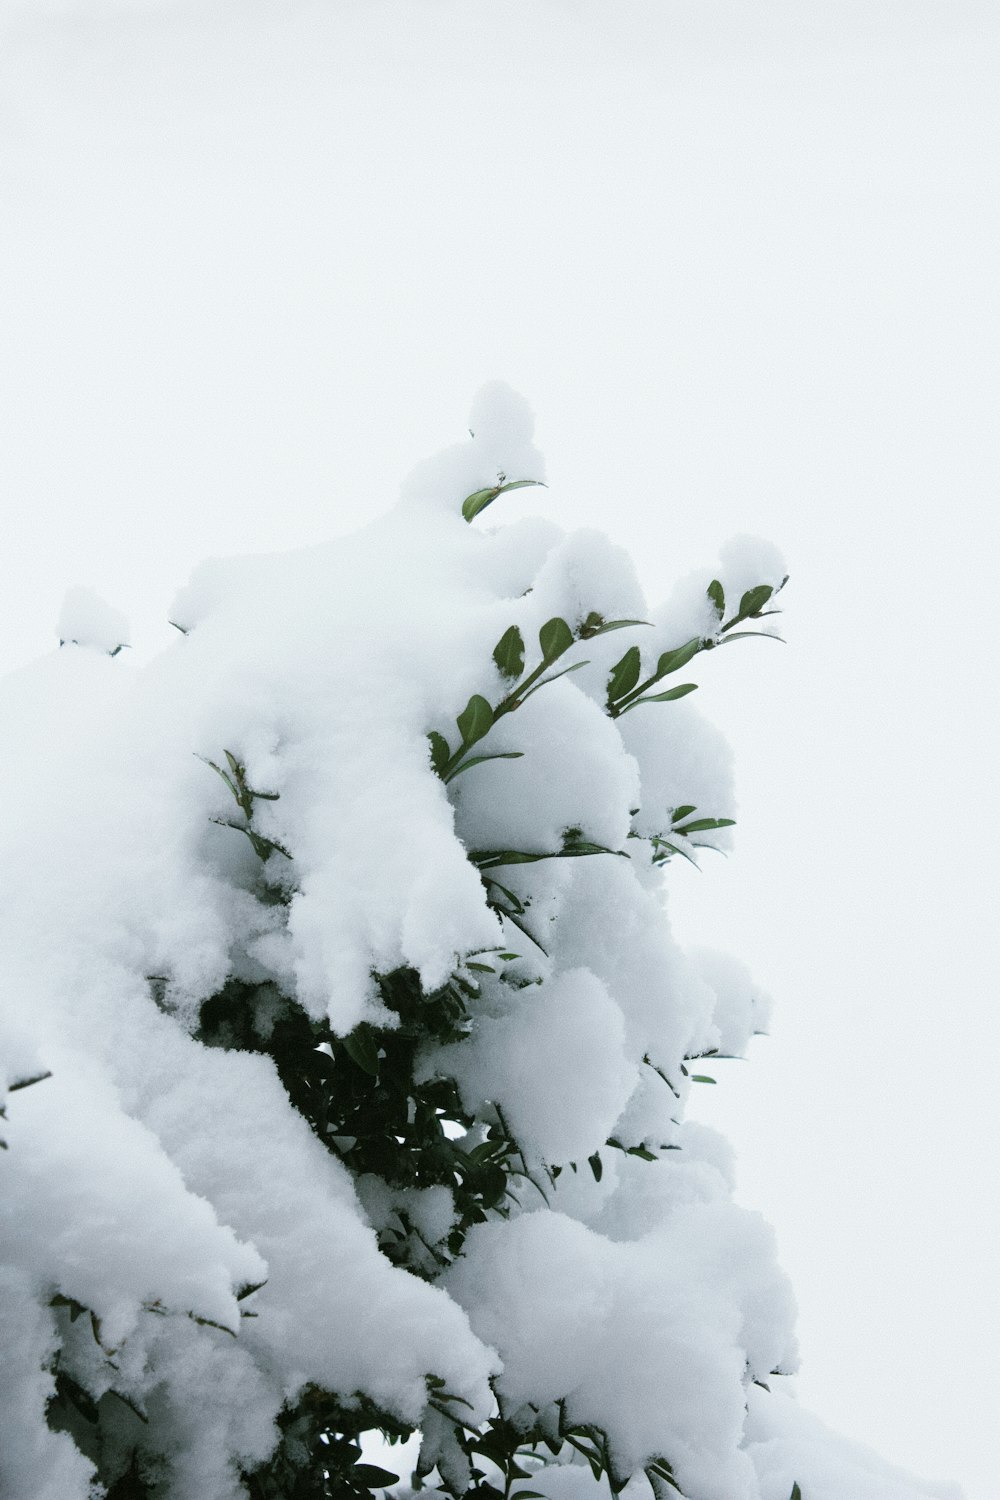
405	1136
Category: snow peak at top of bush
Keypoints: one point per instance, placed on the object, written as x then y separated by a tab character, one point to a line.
347	1044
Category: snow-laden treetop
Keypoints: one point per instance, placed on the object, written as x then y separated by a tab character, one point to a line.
347	1042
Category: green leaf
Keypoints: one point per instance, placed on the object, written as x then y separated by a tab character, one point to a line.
475	720
590	1453
254	1286
663	1471
479	968
702	825
595	624
682	812
211	1323
521	484
487	859
68	1390
574	667
480	499
718	597
596	1166
508	653
220	772
374	1477
574	843
127	1401
477	760
262	847
26	1083
555	637
796	1493
672	661
754	600
624	675
360	1047
662	843
516	905
440	751
701	1078
75	1308
667	697
744	635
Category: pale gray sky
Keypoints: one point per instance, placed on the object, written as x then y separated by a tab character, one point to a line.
741	257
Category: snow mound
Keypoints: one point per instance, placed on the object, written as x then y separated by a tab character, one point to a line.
280	811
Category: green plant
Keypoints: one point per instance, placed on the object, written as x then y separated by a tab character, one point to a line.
368	1099
360	1093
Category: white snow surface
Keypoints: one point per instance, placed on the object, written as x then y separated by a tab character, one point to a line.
88	620
150	1179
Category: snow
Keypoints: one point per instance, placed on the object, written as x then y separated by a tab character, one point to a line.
34	1460
152	1180
572	751
649	1339
741	1009
785	1440
87	620
553	1059
502	425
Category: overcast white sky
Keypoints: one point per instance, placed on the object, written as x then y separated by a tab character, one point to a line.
741	256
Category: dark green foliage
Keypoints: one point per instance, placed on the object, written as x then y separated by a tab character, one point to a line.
245	796
70	1394
319	1456
682	824
130	1485
625	691
501	1457
76	1411
358	1094
752	608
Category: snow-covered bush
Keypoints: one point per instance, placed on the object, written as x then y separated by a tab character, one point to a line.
357	1042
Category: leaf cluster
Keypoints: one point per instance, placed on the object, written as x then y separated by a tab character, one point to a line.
359	1094
245	796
